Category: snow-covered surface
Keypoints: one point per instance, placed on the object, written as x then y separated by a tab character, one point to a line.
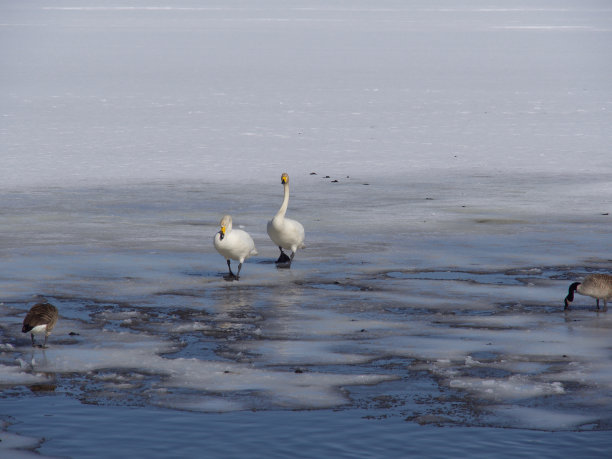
147	91
468	154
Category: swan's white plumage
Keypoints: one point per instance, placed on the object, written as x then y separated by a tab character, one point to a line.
286	233
233	244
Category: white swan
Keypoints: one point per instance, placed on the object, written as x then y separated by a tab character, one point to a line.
598	286
286	233
233	244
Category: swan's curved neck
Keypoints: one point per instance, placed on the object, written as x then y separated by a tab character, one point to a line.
283	208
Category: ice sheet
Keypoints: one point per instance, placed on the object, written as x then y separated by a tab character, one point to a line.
19	446
142	92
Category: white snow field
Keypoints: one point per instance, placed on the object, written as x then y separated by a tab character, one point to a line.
450	161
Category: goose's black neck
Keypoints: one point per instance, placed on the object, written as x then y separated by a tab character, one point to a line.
570	294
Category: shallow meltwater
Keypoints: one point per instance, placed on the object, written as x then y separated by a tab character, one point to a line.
384	330
524	276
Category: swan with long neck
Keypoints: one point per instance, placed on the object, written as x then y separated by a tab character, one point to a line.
233	244
598	286
286	233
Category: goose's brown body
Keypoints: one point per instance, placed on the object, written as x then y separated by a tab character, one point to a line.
41	318
598	286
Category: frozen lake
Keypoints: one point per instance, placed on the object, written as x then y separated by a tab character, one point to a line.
450	163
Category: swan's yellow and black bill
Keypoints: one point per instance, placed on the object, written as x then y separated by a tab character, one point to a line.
222	233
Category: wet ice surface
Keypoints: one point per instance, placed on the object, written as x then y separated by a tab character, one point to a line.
462	183
367	314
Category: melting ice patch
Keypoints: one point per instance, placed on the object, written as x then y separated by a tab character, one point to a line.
300	352
285	389
20	374
514	387
19	446
543	419
117	361
239	346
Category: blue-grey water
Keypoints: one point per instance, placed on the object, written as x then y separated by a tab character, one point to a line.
77	430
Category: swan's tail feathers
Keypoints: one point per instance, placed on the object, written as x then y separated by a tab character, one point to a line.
254	251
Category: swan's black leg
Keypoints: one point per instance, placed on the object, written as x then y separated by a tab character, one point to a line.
32	335
283	258
230	269
598	304
238	273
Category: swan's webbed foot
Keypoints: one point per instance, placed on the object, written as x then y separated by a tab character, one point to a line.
283	262
283	258
230	276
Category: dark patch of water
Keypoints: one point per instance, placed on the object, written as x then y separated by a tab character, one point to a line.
332	286
275	434
499	278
